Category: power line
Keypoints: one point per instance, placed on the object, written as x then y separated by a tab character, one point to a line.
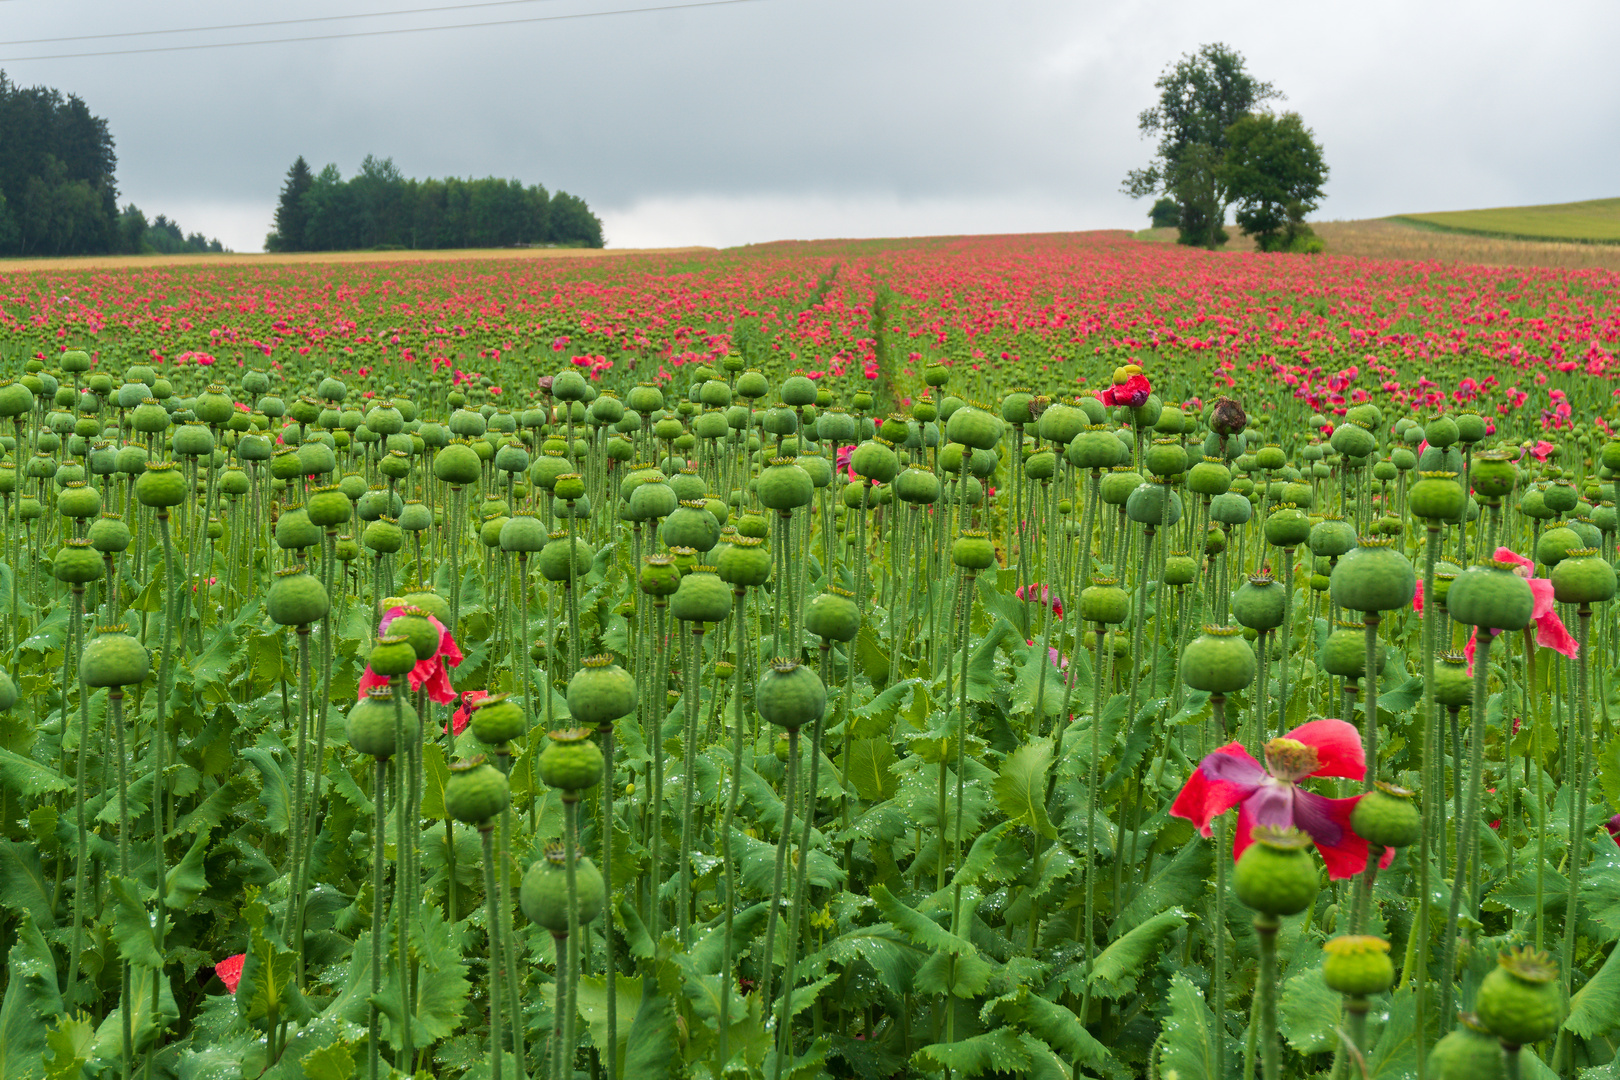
276	22
382	33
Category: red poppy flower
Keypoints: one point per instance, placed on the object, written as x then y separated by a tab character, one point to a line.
1270	795
431	672
1046	595
470	700
1551	633
1133	392
229	970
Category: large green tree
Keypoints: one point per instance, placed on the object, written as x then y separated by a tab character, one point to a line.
292	217
1274	173
1200	97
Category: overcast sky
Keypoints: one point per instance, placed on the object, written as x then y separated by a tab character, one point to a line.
776	119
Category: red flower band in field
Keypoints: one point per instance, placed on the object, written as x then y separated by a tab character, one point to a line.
431	672
1270	795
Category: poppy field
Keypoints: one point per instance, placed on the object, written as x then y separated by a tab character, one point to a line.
1040	656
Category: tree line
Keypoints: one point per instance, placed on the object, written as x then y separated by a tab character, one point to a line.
58	189
1219	147
378	207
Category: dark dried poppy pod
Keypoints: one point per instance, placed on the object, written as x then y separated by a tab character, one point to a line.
691	525
297	598
1228	417
973	551
457	464
112	658
476	791
162	485
544	895
1218	660
1583	578
1438	496
1467	1052
571	761
1492	475
833	615
1373	577
108	534
701	598
1521	1001
371	722
392	655
601	692
659	576
1453	687
1259	603
554	562
790	695
76	563
1344	653
1388	816
1357	965
497	720
1103	601
1491	595
1276	874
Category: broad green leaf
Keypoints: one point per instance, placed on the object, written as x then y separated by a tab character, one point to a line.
650	1050
185	881
274	796
590	998
983	682
1187	1043
332	1062
1595	1008
1608	769
133	924
71	1042
144	1023
23	884
1114	971
1394	1055
31	998
1033	664
993	1051
1058	1025
28	777
1179	882
1309	1012
868	769
434	773
1020	787
955	965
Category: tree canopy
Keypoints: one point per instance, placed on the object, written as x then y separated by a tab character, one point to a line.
379	207
1274	173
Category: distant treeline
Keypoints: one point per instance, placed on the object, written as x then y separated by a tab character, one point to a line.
58	192
379	208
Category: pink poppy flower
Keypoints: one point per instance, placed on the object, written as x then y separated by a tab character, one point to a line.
1269	794
1047	597
431	672
1550	630
1059	661
1542	449
463	714
229	970
1133	392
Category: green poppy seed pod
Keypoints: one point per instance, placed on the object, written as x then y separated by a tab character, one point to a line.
1331	537
1440	431
162	485
76	563
112	658
392	655
522	533
544	895
1521	1001
328	507
1561	498
1230	509
1492	475
601	692
1209	477
1388	816
1154	503
744	563
1287	527
1094	448
15	399
1219	660
1276	874
1453	687
1491	595
415	626
1180	569
1357	965
1581	577
1344	652
701	598
1259	603
833	615
457	464
1041	465
974	427
78	502
1373	577
1117	485
798	391
659	576
1556	543
383	536
784	486
1061	424
1165	457
108	534
475	791
691	525
297	598
295	532
1015	407
651	500
1352	440
149	417
554	561
875	460
497	720
1438	496
316	459
1103	601
371	722
917	486
1270	457
568	486
571	761
790	695
972	551
1468	1052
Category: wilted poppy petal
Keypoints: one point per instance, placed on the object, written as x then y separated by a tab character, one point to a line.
1328	822
1508	555
370	679
1542	589
229	970
1337	745
435	681
1552	634
1221	781
1417	597
388	617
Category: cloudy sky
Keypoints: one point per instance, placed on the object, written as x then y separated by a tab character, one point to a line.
737	122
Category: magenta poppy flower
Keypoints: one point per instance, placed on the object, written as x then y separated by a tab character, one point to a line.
1046	595
229	970
470	700
1133	392
1270	794
430	673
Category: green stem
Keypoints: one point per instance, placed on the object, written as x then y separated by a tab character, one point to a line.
378	855
737	736
493	917
570	842
1466	838
1583	767
767	962
1265	927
